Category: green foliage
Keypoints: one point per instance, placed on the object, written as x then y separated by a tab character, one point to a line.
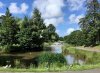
38	29
51	58
75	38
90	24
88	56
61	38
8	31
29	34
51	34
24	35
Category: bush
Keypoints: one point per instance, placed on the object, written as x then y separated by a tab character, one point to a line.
49	59
5	48
10	48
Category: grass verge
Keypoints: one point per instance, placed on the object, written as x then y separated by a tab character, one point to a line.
53	69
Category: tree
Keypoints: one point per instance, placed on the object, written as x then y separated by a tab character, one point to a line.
31	35
90	24
27	34
8	30
61	38
24	35
52	35
0	21
38	29
75	38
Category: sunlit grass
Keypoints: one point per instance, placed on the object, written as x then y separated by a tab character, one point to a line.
97	47
52	69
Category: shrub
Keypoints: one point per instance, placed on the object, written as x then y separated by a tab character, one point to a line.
49	59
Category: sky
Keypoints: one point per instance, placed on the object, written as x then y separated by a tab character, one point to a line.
63	14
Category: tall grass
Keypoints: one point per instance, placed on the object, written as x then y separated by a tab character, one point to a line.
48	60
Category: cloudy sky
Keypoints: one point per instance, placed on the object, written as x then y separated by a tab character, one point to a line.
63	14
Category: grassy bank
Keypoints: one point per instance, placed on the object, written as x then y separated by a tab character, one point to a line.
92	59
53	69
89	57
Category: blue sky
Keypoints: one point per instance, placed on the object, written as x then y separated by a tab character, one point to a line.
63	14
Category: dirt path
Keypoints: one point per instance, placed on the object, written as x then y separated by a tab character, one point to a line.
85	71
88	49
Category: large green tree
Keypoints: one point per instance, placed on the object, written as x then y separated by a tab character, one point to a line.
90	24
8	30
38	29
27	34
32	32
24	35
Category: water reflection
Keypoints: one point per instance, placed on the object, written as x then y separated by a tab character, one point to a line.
70	59
81	62
56	48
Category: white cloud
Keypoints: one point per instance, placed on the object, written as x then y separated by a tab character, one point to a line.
75	4
69	31
15	9
74	18
2	14
54	21
51	10
1	4
24	7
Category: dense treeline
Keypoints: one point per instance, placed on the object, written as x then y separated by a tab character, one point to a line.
90	26
75	38
25	34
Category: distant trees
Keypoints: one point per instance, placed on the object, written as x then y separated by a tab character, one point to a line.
52	35
61	38
27	34
90	24
75	38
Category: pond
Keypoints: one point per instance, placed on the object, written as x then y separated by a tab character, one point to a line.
21	59
56	48
70	59
24	60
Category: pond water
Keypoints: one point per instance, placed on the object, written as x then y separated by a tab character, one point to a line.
29	58
70	59
24	59
56	48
